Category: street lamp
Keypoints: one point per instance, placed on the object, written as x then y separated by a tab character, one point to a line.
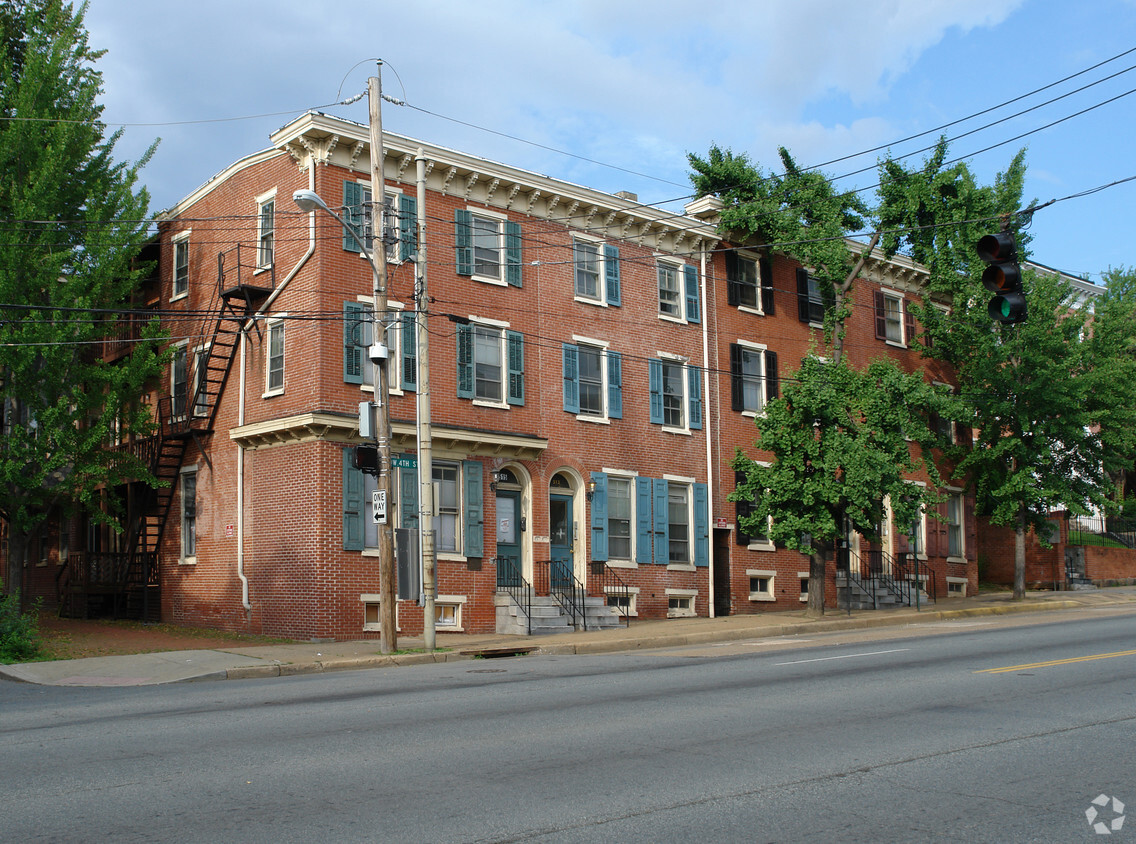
309	201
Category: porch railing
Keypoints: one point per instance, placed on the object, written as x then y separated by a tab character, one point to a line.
556	579
511	581
604	582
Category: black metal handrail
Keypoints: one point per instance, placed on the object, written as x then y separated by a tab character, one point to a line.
556	579
874	569
913	571
605	583
511	581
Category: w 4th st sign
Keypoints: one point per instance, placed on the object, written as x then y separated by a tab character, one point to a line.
379	506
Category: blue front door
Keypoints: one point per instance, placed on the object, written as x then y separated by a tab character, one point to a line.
560	539
508	538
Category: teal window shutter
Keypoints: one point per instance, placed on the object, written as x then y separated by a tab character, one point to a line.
692	311
465	362
655	384
408	498
611	273
352	504
354	317
513	253
662	525
571	356
463	241
614	385
701	525
694	382
473	530
407	227
599	517
515	354
408	350
643	543
353	213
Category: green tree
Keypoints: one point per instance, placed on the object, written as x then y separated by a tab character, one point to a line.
73	224
1027	389
843	441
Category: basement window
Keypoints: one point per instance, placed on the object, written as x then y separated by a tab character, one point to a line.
761	585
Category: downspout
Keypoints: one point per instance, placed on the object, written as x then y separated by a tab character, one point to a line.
241	397
709	438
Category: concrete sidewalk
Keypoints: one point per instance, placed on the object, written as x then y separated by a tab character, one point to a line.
310	658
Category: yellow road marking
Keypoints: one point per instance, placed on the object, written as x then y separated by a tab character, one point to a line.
1053	662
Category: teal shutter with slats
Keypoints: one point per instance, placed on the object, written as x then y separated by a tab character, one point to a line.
513	261
407	227
571	356
701	525
690	274
655	385
515	355
465	362
353	196
599	517
694	383
473	529
353	510
463	241
661	524
643	539
614	385
611	273
408	498
354	317
408	349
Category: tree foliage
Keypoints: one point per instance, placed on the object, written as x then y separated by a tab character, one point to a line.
843	440
74	223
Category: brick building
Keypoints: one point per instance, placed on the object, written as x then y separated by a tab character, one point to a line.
594	365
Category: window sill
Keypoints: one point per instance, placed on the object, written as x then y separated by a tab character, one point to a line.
764	597
484	279
622	564
595	420
675	319
272	393
761	546
749	309
187	561
264	268
896	344
493	404
685	432
177	297
587	300
681	567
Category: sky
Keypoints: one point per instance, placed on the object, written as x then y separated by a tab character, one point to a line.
613	94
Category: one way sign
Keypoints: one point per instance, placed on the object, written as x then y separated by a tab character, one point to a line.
379	506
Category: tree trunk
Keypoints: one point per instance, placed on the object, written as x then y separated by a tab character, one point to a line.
815	607
17	556
1020	555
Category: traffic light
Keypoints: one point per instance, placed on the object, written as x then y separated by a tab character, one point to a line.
365	458
1003	277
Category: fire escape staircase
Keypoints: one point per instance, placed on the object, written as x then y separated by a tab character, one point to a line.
241	288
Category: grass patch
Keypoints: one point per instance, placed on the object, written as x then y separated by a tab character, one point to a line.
1080	537
20	639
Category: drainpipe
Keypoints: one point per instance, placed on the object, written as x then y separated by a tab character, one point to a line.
709	438
241	397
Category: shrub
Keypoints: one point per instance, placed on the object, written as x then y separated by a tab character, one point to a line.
19	633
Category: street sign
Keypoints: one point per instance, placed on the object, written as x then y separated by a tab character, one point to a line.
404	461
379	506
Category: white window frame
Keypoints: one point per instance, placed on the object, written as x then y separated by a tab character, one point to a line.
376	600
180	243
602	347
682	595
272	327
499	328
265	237
764	544
955	495
597	244
684	400
921	552
769	593
393	342
455	603
627	562
199	359
752	259
895	297
678	267
392	225
688	485
188	524
632	593
500	219
804	576
815	297
181	350
459	485
962	585
758	350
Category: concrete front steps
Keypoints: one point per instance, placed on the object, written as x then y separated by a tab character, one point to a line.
861	596
548	616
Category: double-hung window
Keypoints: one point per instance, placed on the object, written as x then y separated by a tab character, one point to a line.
487	247
954	525
401	340
753	537
895	324
678	291
181	266
179	382
678	524
274	361
749	283
399	221
266	232
754	378
619	498
675	393
201	385
491	364
593	380
649	520
595	270
810	299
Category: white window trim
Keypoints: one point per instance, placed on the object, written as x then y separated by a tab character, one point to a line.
269	325
183	558
620	563
761	348
502	219
684	362
804	575
678	265
501	327
182	347
922	555
601	299
889	293
956	558
394	347
391	253
457	601
269	196
175	240
375	598
633	594
692	594
746	255
193	378
690	538
603	346
962	581
771	593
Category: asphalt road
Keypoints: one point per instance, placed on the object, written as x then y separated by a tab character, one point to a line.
984	733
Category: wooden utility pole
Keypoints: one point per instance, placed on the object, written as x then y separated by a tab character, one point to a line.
425	437
380	358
